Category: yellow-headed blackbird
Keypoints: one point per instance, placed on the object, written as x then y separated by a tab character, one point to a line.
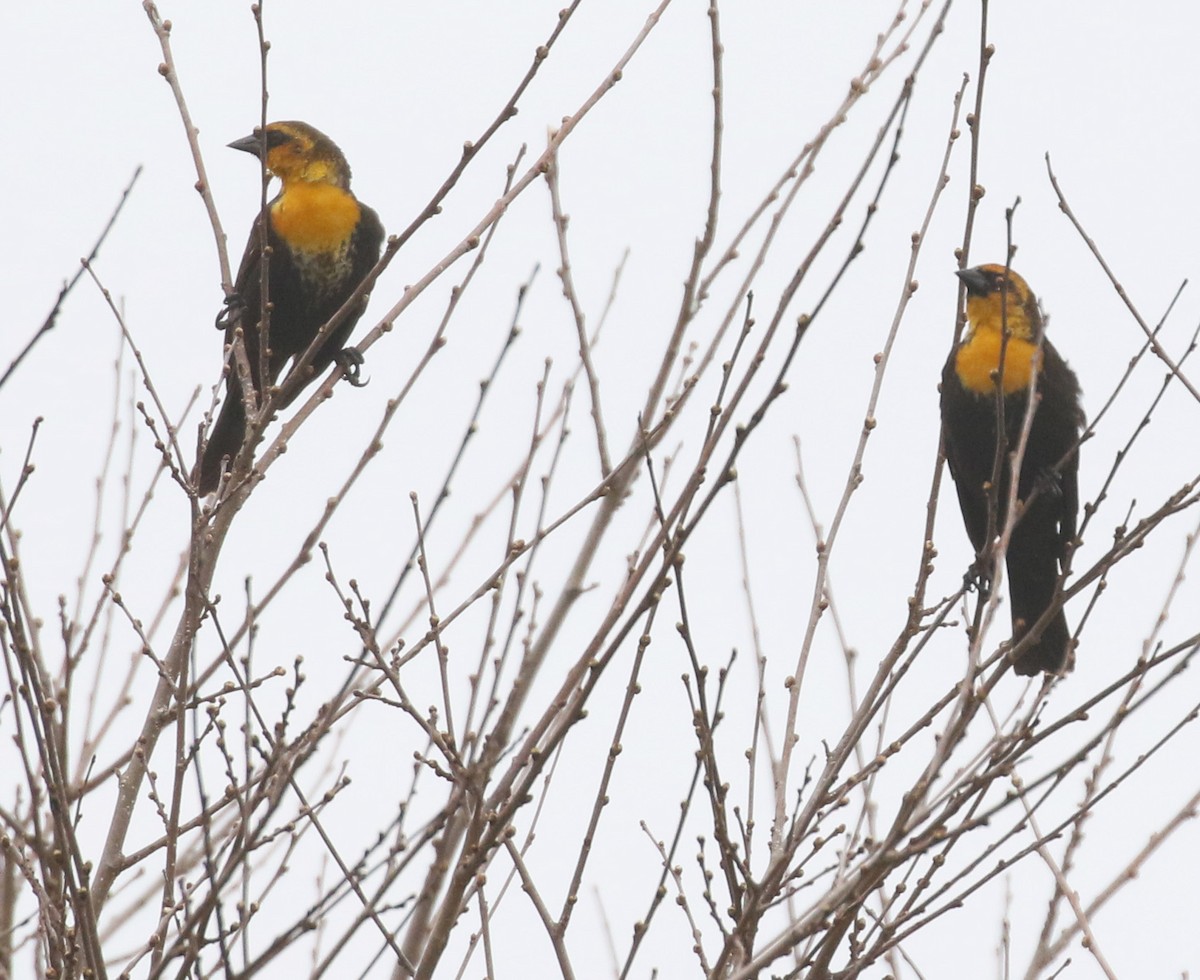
1003	314
323	241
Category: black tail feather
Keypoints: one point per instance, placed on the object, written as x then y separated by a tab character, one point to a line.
226	438
1048	653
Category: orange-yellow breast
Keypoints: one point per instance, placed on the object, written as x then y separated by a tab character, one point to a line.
979	357
315	217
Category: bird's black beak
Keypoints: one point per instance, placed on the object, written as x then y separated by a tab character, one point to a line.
977	283
249	144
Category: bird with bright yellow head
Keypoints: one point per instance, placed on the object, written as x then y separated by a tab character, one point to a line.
1003	360
323	241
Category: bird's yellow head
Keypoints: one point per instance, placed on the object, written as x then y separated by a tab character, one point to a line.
997	299
298	152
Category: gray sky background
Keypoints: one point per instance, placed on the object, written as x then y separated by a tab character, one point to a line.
1107	89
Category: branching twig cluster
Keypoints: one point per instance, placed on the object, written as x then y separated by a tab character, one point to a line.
175	852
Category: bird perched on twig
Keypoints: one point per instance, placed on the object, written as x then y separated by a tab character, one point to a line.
322	243
1005	350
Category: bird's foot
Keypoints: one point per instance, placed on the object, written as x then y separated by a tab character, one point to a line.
351	360
977	578
230	311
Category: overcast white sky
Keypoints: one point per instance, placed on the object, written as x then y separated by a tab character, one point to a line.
1108	89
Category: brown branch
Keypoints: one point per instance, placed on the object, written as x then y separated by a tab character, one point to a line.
52	317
